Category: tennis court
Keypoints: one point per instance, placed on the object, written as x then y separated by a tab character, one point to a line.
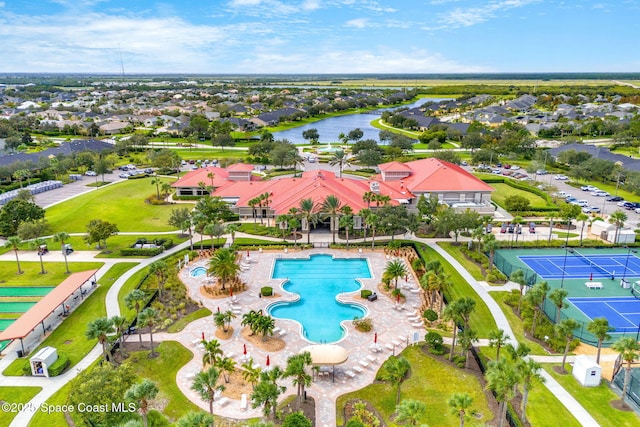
574	265
623	313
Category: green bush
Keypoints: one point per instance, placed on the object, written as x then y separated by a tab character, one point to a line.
141	252
430	315
266	291
365	293
60	365
363	325
433	339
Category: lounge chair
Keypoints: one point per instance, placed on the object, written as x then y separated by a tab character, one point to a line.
357	368
282	333
364	363
224	401
351	374
371	358
243	402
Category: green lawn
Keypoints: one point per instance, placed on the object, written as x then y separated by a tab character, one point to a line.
516	324
56	272
56	418
481	319
503	191
15	395
122	204
544	409
468	265
162	370
432	382
596	400
129	285
184	321
69	337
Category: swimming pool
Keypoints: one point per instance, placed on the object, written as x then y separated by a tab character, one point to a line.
198	271
318	280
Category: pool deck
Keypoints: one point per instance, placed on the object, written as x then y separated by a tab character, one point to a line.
392	326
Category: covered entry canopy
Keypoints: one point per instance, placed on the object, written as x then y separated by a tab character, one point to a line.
47	305
326	354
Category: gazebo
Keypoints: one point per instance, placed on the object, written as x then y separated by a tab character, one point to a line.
327	355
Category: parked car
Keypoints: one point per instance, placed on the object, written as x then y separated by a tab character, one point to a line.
506	166
570	199
90	173
148	171
582	203
631	205
503	228
637	210
591	209
496	171
600	193
614	199
561	177
464	163
589	188
499	165
515	167
541	172
124	175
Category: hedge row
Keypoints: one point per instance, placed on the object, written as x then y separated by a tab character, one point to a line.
141	252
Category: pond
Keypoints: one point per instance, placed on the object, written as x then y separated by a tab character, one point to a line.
330	128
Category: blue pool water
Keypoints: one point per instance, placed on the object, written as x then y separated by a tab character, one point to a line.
198	271
318	280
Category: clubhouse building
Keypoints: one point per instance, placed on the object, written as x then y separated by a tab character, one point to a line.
403	183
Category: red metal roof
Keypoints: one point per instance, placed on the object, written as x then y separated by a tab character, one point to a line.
47	305
394	167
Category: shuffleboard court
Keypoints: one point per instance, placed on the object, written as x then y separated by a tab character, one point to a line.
4	323
24	291
15	307
623	313
577	266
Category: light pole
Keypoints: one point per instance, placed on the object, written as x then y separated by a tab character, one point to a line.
626	263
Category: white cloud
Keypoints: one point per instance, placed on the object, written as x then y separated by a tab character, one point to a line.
2	4
311	4
357	23
466	17
241	3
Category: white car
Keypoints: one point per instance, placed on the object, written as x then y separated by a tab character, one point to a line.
637	210
124	175
621	203
600	193
515	167
561	177
589	188
90	173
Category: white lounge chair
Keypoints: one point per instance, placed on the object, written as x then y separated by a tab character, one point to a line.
371	358
357	368
282	333
243	402
224	401
389	346
351	374
364	363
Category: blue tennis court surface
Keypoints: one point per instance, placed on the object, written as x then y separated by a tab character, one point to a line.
583	266
623	313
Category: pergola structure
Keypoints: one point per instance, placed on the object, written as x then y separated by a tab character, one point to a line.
327	355
46	306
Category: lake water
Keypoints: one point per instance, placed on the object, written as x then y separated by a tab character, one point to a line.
330	128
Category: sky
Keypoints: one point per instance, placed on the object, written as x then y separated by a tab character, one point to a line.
319	36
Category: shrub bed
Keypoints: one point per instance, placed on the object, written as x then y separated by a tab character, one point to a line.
266	291
365	293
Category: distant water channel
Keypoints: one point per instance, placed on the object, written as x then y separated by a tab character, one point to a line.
330	128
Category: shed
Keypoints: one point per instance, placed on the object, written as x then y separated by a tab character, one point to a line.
602	228
586	371
625	235
42	360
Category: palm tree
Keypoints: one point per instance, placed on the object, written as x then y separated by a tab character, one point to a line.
308	211
582	217
600	328
340	159
466	307
223	319
346	221
498	338
395	370
528	371
490	245
535	296
467	338
410	411
453	313
227	365
232	229
502	378
331	207
253	203
265	200
188	226
250	373
14	243
120	323
557	296
165	189
478	234
296	368
629	349
617	218
35	244
196	419
214	231
161	270
223	266
266	392
141	394
395	269
518	277
135	300
565	330
100	329
148	318
205	384
212	352
250	319
156	181
460	404
373	221
368	197
63	237
264	326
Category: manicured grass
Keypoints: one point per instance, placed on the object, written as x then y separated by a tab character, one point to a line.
129	285
56	272
56	418
122	204
544	409
503	191
162	370
596	400
181	323
516	323
69	337
481	319
15	395
468	265
565	235
431	382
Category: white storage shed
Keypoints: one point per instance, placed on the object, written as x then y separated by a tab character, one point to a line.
41	361
586	371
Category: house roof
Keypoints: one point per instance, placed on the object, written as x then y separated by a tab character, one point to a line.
432	175
394	167
221	176
240	167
